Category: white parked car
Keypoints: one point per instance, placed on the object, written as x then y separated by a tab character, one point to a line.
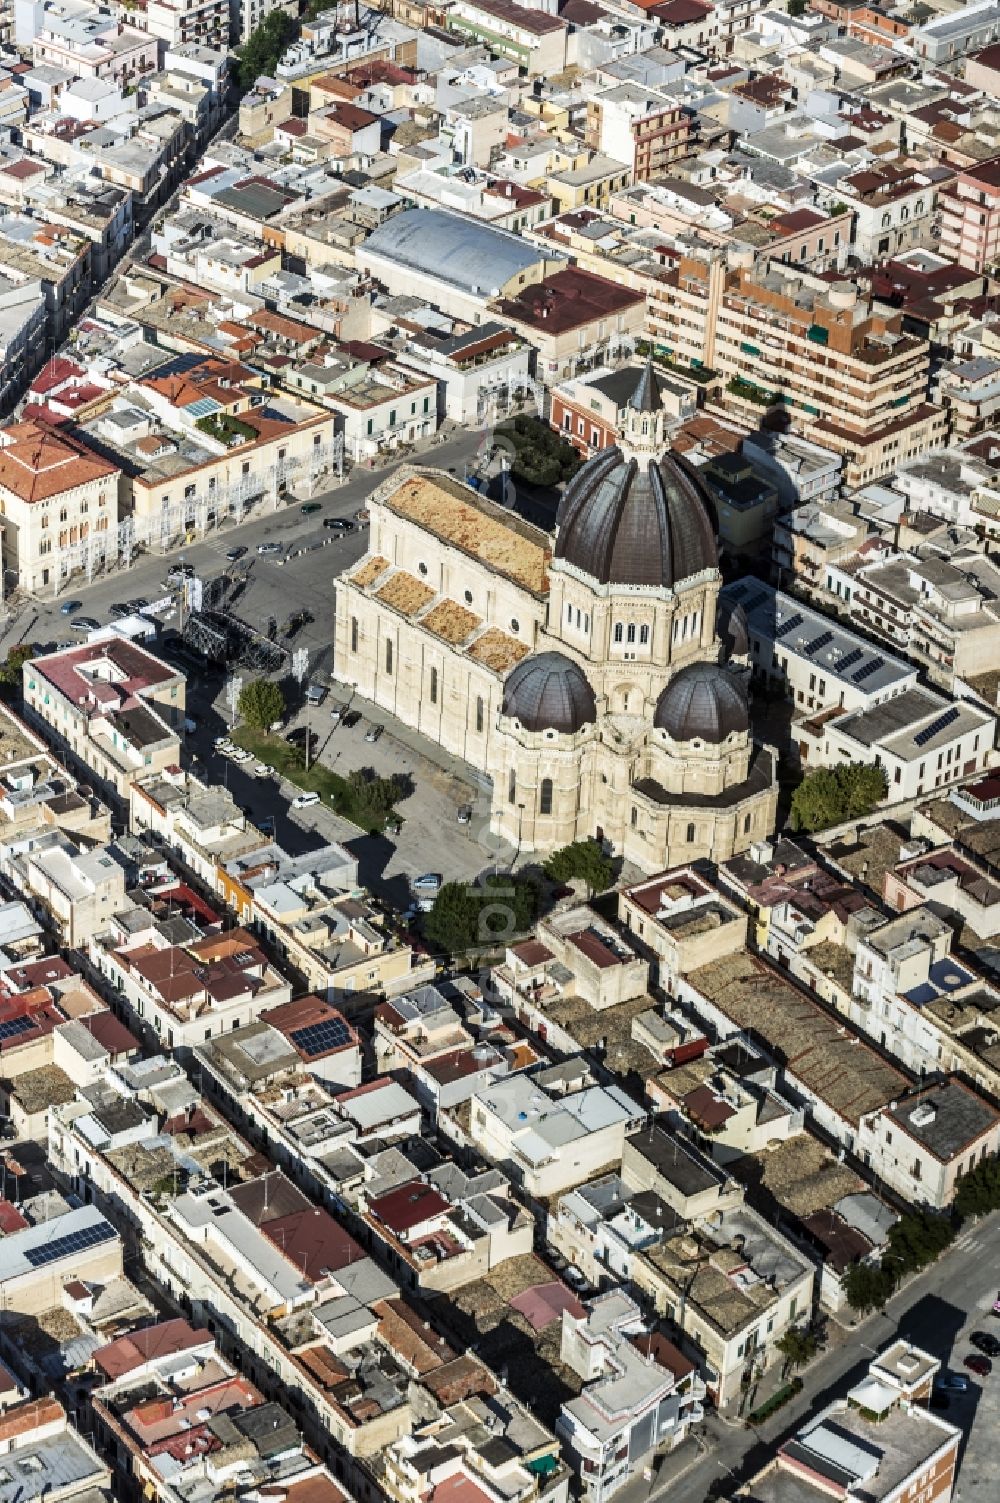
305	800
222	743
239	755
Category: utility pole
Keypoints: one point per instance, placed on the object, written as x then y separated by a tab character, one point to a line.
300	669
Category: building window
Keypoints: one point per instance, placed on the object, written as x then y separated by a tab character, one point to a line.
746	824
480	712
619	631
434	686
635	817
545	796
512	787
644	636
388	655
354	633
690	834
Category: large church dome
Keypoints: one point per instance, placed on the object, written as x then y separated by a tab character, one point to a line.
548	692
702	703
636	521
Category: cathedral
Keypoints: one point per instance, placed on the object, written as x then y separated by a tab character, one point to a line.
592	677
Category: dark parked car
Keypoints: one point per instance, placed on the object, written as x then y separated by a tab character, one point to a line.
119	609
951	1383
351	718
981	1366
311	508
984	1342
338	524
235	554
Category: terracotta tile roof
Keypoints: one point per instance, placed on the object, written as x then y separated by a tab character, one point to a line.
369	570
37	462
405	593
496	650
477	527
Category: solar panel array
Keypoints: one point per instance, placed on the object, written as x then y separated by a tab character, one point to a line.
819	644
854	656
929	731
61	1247
789	625
13	1026
866	670
319	1037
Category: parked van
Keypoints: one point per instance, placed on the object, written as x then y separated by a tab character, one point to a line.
304	800
315	694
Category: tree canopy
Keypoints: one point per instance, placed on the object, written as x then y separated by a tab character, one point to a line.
583	860
374	798
830	795
469	916
262	50
540	455
797	1345
261	703
10	668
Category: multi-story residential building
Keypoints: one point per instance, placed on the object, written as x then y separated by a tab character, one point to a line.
420	1033
811	541
380	407
922	1145
732	1285
842	367
969	391
552	1142
38	1442
434	1242
640	1396
183	23
180	995
588	410
952	34
643	128
970	216
55	491
533	39
92	44
37	1261
894	208
480	372
943	614
23	321
58	257
110	707
881	1438
80	888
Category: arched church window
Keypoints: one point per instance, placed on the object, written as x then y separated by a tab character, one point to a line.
619	631
479	712
690	835
644	636
545	796
512	786
630	635
434	686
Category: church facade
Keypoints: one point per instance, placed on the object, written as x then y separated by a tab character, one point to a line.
593	678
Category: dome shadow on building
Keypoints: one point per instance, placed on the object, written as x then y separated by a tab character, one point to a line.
702	703
548	692
637	520
732	629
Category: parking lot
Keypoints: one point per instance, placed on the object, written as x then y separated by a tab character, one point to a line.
977	1412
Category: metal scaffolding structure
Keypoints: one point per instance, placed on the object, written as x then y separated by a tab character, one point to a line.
200	514
223	638
496	401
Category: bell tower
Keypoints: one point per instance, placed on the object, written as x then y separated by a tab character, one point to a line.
641	429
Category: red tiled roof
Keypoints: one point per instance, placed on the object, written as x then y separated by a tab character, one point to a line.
164	1339
110	1033
37	462
408	1205
313	1241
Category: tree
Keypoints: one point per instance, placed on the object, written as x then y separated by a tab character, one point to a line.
262	50
978	1191
868	1286
375	797
798	1346
583	860
467	916
540	455
261	702
830	795
797	7
10	669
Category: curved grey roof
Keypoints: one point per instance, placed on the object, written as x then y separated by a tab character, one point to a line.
548	692
471	256
702	703
622	523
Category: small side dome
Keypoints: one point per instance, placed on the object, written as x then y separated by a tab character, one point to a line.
732	629
548	692
702	703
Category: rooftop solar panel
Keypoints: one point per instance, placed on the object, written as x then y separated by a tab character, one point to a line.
866	670
819	644
63	1247
14	1026
935	727
319	1037
854	656
789	625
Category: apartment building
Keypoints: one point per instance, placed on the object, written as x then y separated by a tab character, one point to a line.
731	1285
419	1032
680	918
841	364
55	492
941	612
479	371
110	706
894	206
81	887
921	1146
36	1262
643	128
183	23
382	406
434	1243
179	995
589	410
549	1143
23	319
970	216
534	40
91	44
632	1404
40	1445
